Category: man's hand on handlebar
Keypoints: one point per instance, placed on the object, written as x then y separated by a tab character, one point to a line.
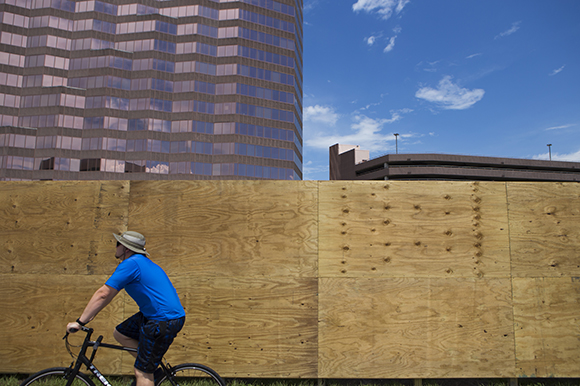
73	327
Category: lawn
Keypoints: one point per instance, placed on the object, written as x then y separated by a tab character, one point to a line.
14	380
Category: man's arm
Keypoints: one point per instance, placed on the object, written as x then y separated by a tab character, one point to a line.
101	298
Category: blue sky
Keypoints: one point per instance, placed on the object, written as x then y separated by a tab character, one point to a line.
497	78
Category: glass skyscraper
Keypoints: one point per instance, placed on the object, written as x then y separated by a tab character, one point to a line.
146	89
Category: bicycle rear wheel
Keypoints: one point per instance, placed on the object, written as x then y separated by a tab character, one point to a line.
55	377
193	374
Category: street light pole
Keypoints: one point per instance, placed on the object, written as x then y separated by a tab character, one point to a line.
396	142
550	150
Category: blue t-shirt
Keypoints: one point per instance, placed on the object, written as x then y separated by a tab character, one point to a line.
149	286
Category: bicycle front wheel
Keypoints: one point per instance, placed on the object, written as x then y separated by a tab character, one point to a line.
55	377
192	374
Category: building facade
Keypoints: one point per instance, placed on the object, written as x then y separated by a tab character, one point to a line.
147	89
349	162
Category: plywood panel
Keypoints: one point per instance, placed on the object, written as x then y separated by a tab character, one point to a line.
413	229
229	228
544	228
415	328
412	279
61	227
547	326
249	327
35	311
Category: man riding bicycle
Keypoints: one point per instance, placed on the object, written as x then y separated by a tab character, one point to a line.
161	315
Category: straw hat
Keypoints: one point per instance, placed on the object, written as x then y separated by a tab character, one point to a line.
132	240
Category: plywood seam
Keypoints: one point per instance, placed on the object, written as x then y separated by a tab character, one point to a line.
511	277
318	359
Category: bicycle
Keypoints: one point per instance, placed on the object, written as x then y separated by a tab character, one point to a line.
185	374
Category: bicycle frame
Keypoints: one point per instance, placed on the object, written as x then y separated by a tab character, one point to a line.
82	358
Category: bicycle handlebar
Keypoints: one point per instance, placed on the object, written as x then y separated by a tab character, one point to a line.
83	328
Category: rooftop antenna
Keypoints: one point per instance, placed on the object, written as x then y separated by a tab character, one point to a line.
396	142
550	150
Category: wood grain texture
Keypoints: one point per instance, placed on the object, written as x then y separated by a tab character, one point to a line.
61	227
544	228
35	311
415	328
413	229
547	326
229	228
249	327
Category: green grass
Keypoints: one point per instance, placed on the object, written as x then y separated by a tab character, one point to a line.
13	380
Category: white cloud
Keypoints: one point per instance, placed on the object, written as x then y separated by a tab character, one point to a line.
391	44
370	40
559	127
366	132
513	29
450	96
384	8
570	157
474	55
557	71
310	170
309	5
321	114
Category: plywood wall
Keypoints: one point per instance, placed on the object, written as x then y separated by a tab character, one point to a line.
312	279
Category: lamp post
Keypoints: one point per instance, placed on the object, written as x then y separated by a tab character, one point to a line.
550	150
396	143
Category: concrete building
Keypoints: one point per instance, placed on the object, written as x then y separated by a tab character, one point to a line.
349	162
148	89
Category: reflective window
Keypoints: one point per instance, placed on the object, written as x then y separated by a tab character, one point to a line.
253	91
12	59
255	54
192	127
13	39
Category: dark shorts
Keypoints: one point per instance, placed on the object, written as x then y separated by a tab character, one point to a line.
154	338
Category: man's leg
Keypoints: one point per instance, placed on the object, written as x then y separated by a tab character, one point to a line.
127	334
126	341
143	379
